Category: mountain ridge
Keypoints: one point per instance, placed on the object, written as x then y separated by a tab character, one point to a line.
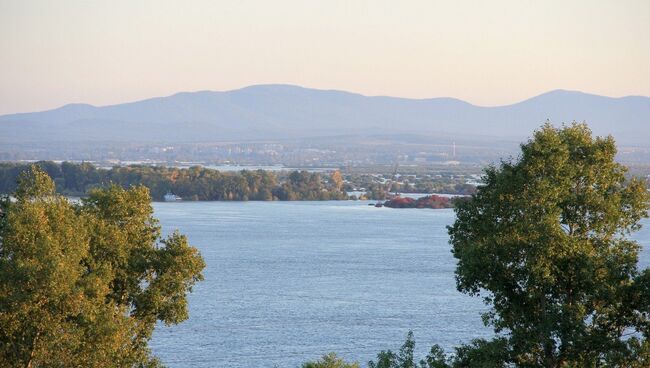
254	86
277	111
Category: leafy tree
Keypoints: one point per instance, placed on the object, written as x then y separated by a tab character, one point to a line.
337	180
330	361
376	191
405	358
84	285
546	242
435	359
479	354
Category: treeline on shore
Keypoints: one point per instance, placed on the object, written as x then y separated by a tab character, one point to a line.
430	201
385	189
194	183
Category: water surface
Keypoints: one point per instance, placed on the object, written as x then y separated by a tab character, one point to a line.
289	281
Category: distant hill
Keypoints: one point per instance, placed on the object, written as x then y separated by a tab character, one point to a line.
285	111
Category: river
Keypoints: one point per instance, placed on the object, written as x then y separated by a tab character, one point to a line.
286	282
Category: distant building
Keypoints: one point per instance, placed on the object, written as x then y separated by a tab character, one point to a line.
169	197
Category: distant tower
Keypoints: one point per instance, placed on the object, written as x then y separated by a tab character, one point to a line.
453	154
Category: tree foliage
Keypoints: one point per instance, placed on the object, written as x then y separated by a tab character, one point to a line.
478	354
194	183
337	180
83	285
546	242
330	361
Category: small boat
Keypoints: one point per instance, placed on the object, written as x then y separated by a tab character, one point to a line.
169	197
379	204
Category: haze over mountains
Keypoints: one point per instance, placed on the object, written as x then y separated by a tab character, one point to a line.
271	112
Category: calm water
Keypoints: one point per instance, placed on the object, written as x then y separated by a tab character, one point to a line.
289	281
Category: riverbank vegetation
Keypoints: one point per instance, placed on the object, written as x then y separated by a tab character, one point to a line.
194	183
430	201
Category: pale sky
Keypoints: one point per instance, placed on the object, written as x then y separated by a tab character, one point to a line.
485	52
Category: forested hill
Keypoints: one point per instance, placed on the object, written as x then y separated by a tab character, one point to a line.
195	183
291	112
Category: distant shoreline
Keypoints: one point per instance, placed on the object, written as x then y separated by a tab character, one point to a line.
199	183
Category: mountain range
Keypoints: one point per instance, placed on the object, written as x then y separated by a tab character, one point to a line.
271	112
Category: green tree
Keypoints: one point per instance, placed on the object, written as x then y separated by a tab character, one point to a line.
479	354
84	285
376	191
546	242
330	361
403	359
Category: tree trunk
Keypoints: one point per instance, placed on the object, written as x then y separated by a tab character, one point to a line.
31	354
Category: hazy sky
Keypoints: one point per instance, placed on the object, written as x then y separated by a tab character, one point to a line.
486	52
